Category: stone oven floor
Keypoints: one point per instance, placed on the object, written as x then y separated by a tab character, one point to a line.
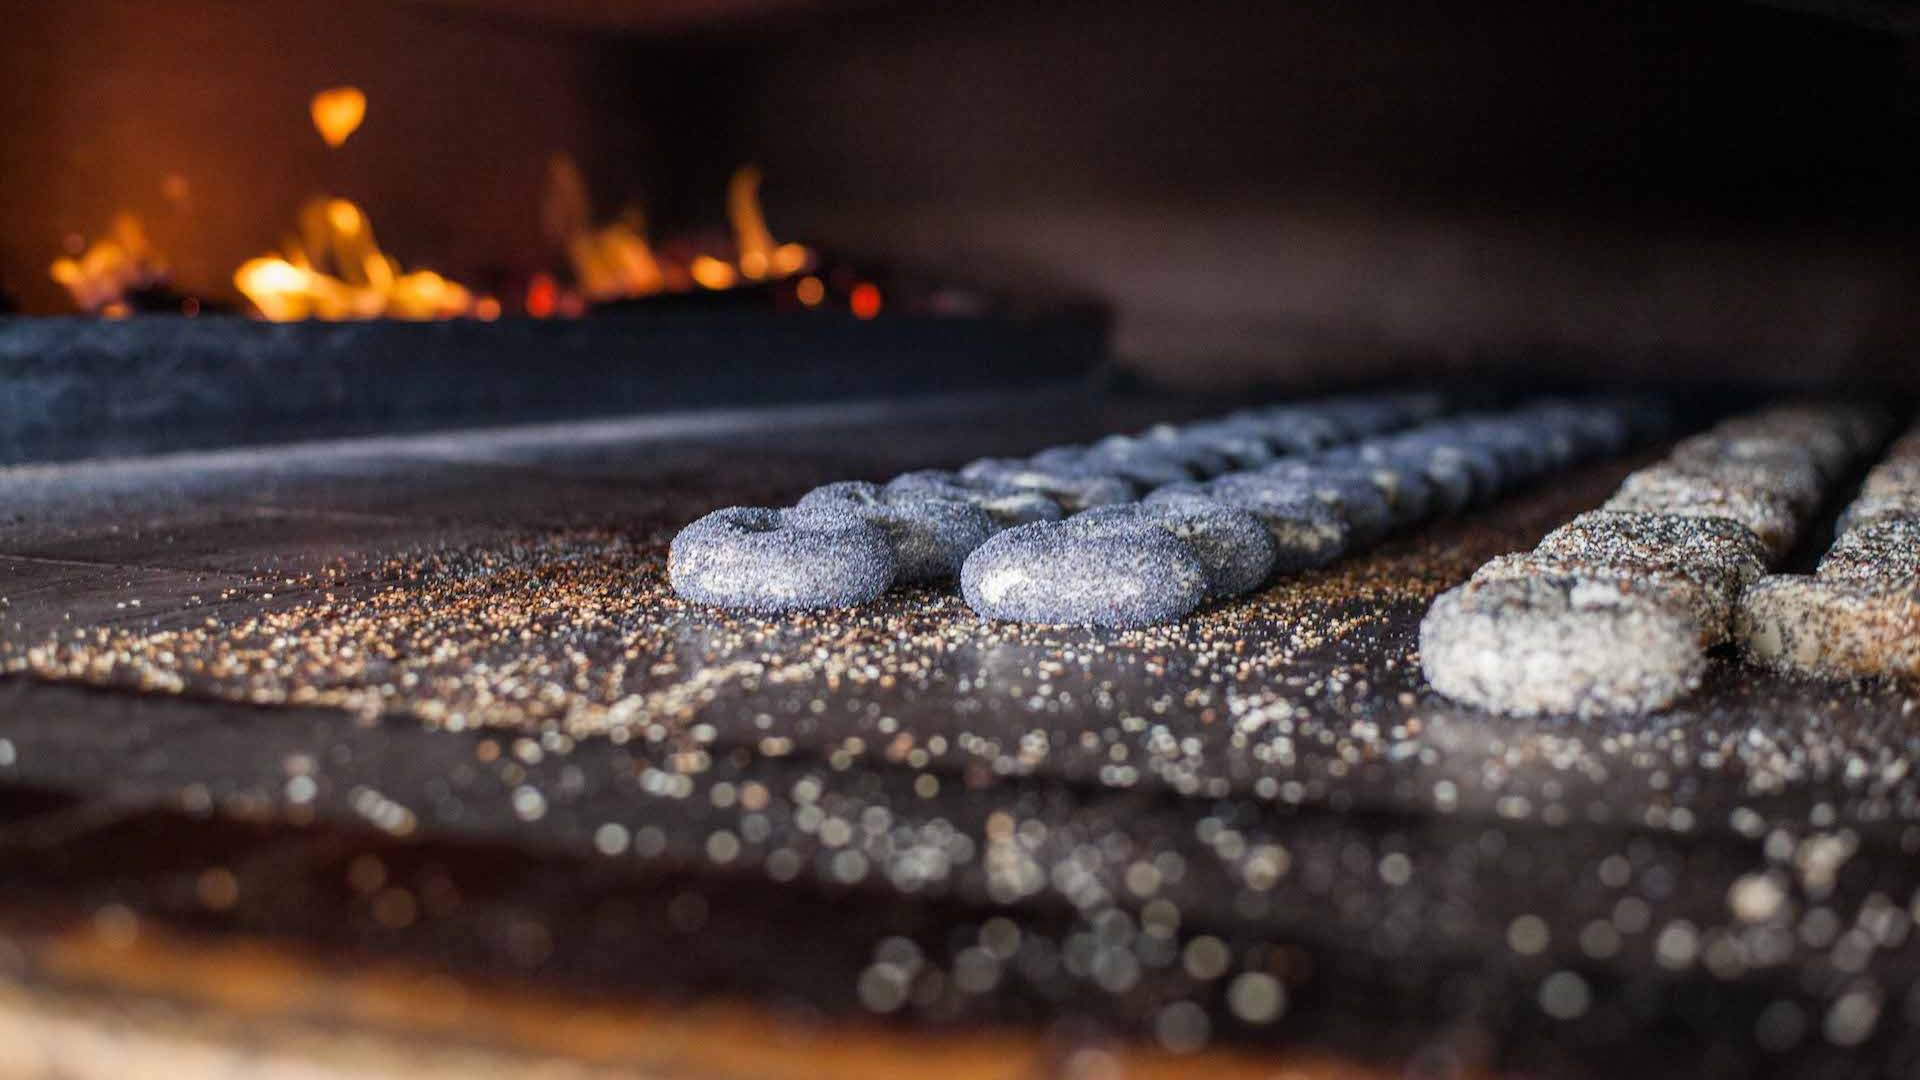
398	754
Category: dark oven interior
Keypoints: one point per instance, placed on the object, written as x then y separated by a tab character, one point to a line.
370	369
1652	190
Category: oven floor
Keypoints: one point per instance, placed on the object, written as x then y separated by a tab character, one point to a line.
415	725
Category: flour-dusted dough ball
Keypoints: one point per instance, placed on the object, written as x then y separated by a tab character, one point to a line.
1666	489
753	558
1561	644
1712	608
1835	629
931	536
1007	506
1057	573
1232	544
1884	553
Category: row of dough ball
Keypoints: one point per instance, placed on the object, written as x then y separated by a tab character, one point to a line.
845	543
1858	614
1614	612
1190	542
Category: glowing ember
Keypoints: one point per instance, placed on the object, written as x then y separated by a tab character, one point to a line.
543	296
711	273
336	271
122	262
790	259
337	113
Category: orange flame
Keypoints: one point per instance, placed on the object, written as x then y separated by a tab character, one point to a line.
759	257
751	237
337	113
610	261
100	278
615	261
336	271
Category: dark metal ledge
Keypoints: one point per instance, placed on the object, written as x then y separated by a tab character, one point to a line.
79	387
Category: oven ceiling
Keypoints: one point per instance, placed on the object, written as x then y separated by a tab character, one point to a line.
1898	16
638	16
657	16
